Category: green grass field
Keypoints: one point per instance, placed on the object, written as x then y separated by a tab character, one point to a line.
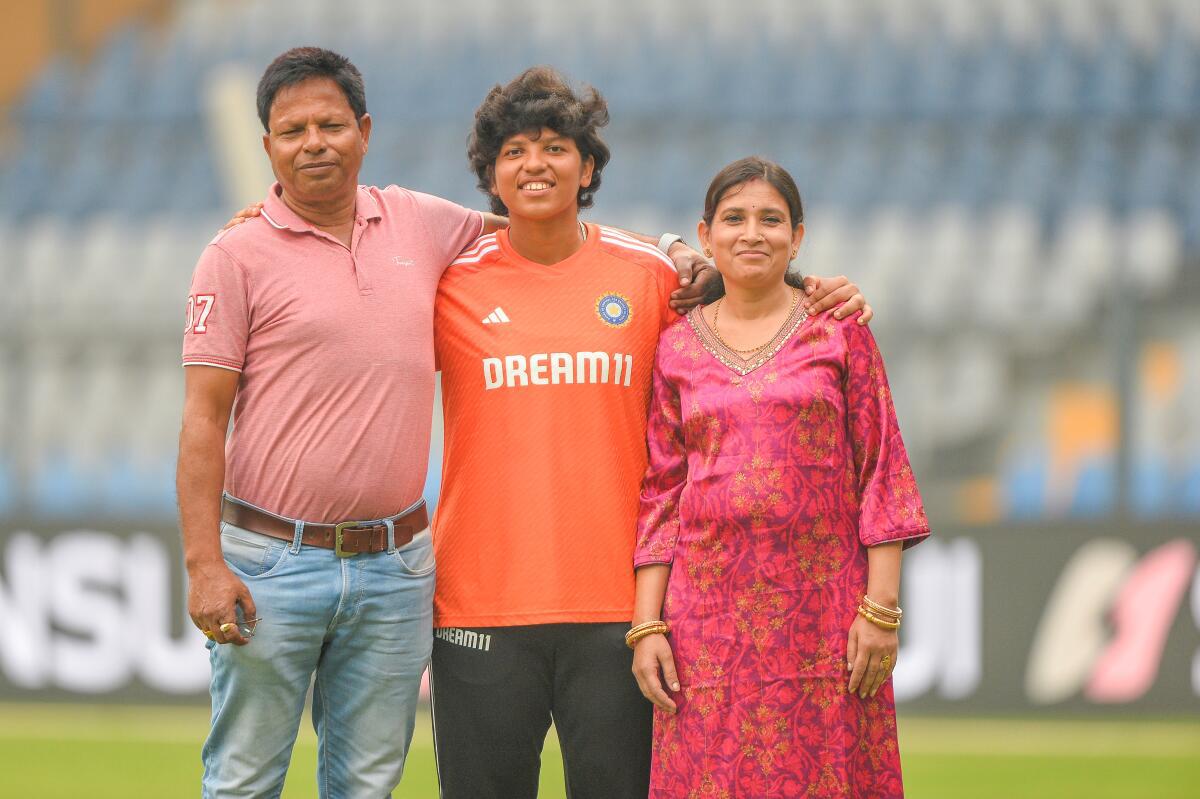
47	752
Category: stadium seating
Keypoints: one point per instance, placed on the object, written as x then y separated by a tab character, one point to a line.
996	175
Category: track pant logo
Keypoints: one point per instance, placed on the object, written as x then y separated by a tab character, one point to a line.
468	638
1106	624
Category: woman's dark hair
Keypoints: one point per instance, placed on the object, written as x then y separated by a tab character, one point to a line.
303	63
538	98
738	174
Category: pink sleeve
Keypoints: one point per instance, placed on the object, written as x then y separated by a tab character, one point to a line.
666	474
450	226
890	507
217	313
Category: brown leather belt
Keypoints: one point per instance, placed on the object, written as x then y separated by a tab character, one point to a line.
345	539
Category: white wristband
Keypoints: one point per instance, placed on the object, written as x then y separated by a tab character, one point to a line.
666	240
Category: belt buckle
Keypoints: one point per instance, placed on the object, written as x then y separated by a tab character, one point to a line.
338	530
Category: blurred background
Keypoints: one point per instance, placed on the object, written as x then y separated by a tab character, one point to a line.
1015	185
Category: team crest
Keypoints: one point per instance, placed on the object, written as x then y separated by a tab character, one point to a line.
613	310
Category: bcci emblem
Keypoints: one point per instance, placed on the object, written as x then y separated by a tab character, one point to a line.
613	310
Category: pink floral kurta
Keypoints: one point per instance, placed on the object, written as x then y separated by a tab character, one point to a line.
767	483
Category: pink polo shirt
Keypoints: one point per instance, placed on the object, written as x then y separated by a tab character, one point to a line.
335	348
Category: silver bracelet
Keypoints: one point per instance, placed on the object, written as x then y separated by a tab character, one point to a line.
666	240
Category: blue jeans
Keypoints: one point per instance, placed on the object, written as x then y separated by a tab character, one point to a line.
363	625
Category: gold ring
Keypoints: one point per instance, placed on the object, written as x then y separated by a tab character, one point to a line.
885	660
227	626
208	634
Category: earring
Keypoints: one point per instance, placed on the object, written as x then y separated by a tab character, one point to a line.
707	253
794	253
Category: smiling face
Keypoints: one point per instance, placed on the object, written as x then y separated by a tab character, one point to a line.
538	175
751	237
315	144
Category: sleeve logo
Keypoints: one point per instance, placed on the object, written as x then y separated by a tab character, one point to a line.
613	310
199	306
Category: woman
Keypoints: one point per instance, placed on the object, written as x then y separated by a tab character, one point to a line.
776	503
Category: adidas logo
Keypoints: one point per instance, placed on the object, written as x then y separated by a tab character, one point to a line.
496	317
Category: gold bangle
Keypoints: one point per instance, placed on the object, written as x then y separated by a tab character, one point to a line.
645	629
631	641
881	610
878	622
646	625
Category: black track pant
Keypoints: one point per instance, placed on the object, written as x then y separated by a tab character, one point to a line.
496	689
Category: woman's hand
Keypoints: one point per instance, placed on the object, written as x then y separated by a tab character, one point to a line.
650	655
249	212
826	292
866	647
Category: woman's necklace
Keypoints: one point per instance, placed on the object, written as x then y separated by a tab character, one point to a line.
751	351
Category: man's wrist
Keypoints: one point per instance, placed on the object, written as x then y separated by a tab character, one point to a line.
204	561
668	240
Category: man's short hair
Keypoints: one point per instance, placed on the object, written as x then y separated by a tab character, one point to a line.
304	63
538	98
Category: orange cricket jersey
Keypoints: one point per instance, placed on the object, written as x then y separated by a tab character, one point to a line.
545	386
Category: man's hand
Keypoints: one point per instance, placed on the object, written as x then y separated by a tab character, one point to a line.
696	276
214	593
249	212
827	292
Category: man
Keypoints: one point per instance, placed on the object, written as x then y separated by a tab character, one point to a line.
316	319
312	325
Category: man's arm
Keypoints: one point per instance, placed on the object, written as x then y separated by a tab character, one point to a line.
492	223
213	590
697	275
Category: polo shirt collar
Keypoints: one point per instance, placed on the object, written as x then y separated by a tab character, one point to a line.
280	216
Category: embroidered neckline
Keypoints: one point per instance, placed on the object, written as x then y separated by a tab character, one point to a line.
731	359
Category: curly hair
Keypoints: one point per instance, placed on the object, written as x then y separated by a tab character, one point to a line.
538	98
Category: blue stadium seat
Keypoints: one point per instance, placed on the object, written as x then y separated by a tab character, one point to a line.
1112	78
1154	171
8	489
115	79
1151	493
1174	84
61	489
1096	489
996	84
915	162
1096	178
821	79
51	96
1033	177
1189	491
936	77
879	79
1023	482
1055	79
